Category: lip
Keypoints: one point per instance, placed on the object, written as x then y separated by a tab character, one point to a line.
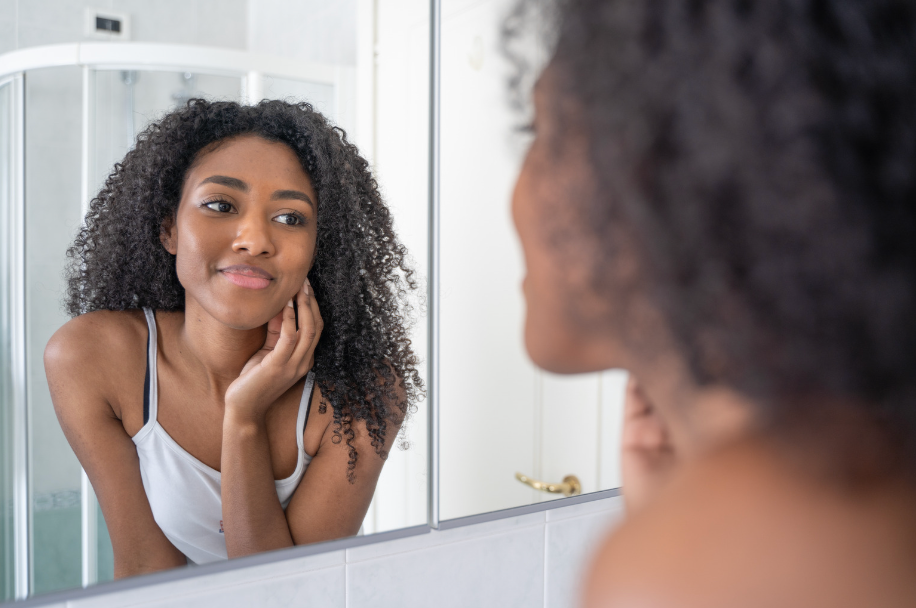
249	277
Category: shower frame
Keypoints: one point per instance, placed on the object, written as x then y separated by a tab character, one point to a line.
93	57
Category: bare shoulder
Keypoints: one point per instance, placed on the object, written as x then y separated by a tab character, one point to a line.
742	527
322	431
102	333
321	428
87	349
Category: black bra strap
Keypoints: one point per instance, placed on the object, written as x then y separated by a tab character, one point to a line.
146	386
308	408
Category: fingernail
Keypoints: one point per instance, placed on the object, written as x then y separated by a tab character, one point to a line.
306	287
290	303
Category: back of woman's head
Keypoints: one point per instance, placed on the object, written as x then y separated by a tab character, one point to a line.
760	157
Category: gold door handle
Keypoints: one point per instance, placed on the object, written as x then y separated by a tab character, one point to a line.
570	486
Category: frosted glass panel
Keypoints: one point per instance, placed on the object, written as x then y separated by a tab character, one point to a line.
6	431
52	216
127	101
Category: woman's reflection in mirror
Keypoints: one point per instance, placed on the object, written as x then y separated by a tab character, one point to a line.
721	198
238	363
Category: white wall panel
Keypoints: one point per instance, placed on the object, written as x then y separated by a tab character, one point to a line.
527	561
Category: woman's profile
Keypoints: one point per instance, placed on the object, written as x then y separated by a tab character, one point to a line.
721	197
238	363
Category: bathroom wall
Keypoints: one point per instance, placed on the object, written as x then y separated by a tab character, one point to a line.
25	23
281	27
527	561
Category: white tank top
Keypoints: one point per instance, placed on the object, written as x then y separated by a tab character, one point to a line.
183	492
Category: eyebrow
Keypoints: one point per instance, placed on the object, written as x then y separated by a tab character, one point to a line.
237	184
229	182
292	194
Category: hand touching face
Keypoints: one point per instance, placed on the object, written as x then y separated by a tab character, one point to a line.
287	355
647	451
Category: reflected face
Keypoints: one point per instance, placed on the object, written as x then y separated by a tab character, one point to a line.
245	231
553	181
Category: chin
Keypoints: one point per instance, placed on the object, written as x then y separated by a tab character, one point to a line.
550	351
241	315
560	351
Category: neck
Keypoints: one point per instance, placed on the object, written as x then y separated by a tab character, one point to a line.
720	415
213	349
697	418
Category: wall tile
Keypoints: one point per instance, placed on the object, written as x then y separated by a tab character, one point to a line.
570	544
222	23
437	538
7	10
172	21
504	570
37	35
314	30
59	14
325	588
587	508
291	576
7	35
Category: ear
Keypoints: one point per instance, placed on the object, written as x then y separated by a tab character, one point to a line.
168	235
647	452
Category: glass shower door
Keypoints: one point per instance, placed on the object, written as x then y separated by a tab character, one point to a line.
54	157
126	101
53	150
7	524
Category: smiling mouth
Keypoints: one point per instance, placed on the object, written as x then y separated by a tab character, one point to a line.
249	277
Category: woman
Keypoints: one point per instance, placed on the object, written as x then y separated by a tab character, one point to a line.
721	197
216	408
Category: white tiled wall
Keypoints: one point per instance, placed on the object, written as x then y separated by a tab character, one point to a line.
528	561
25	23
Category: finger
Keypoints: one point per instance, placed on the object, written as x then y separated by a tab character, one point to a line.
310	324
316	315
286	343
273	331
635	403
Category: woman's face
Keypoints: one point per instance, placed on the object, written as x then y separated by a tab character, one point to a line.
560	334
245	230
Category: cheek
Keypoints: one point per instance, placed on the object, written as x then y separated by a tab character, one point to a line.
548	333
193	254
550	338
558	292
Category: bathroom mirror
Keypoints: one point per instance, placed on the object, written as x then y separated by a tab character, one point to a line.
75	89
501	417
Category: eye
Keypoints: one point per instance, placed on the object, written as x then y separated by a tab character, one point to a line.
220	206
290	219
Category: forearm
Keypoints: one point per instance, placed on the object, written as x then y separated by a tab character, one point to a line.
253	520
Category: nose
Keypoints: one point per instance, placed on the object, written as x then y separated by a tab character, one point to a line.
253	236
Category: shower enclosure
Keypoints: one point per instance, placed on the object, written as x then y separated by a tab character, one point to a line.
67	114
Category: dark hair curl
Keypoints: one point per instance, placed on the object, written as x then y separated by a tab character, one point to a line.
364	364
760	156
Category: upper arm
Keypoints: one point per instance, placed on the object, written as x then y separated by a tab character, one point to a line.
79	367
326	505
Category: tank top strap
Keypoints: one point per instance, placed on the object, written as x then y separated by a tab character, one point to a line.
305	405
151	388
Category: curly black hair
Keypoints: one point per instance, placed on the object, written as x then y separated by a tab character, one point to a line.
759	156
361	276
